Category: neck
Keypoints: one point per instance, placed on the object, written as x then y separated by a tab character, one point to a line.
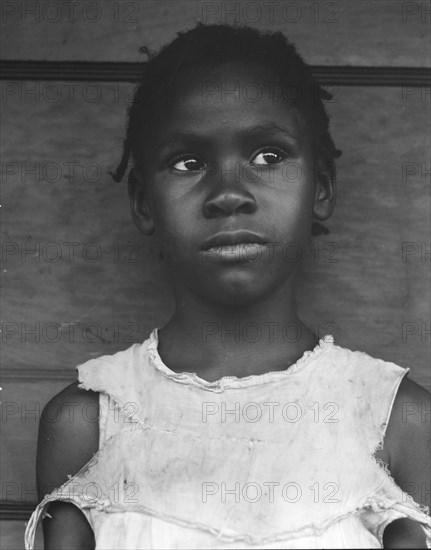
215	341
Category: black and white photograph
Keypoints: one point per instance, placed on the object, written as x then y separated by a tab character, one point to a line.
215	267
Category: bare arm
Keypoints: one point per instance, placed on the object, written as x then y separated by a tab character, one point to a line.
64	447
408	440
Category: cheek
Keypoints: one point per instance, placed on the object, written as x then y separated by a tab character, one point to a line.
294	190
291	211
174	227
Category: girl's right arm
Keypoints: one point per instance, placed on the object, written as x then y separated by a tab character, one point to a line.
64	446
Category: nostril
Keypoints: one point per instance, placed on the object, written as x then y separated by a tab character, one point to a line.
226	204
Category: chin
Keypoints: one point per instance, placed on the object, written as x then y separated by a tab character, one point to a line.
237	289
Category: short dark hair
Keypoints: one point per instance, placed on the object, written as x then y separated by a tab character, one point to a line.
211	46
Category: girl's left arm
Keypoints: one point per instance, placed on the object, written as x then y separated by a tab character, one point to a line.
408	443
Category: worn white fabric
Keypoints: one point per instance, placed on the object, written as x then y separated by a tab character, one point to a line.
278	460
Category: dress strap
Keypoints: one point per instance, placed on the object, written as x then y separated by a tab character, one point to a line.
104	401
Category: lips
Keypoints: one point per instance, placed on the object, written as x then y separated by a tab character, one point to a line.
234	238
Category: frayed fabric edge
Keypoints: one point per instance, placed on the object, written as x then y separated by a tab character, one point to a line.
40	513
410	510
413	511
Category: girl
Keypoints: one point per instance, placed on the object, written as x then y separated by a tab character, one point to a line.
206	440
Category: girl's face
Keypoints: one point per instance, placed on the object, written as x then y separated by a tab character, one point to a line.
229	185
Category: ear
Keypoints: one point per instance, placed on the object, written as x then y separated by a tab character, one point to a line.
141	213
325	192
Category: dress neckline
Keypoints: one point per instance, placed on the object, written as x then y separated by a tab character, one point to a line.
233	382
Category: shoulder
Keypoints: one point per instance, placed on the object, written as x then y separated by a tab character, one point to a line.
411	404
107	373
410	416
68	436
408	438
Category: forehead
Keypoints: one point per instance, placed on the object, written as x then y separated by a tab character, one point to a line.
229	96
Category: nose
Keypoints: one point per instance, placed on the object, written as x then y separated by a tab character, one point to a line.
227	203
228	198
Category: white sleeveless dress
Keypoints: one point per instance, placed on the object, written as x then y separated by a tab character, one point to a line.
277	460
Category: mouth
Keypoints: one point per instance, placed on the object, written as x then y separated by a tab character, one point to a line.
237	247
234	240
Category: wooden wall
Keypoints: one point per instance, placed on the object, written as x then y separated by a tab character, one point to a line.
367	280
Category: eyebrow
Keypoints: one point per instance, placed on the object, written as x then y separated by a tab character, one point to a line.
191	138
272	128
173	140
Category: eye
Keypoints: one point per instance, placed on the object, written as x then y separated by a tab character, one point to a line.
269	156
188	163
